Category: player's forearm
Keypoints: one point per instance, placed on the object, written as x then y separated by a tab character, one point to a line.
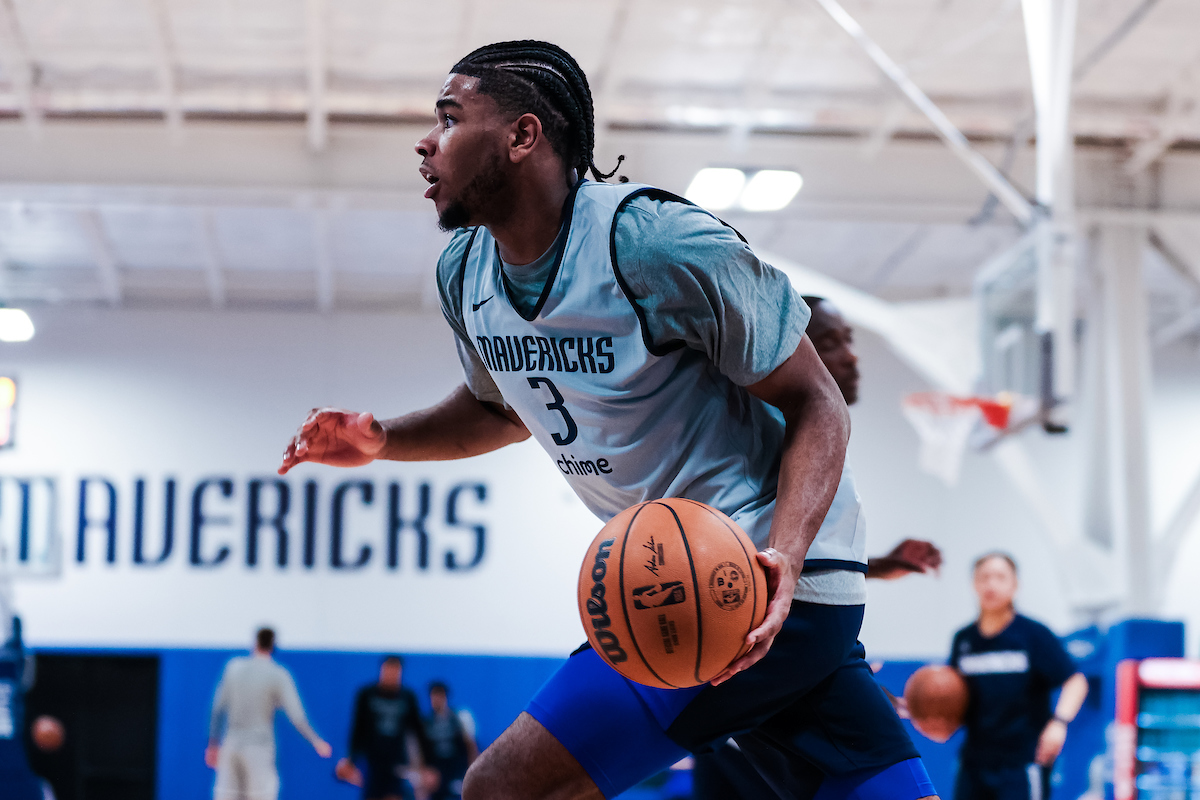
458	427
1071	698
814	452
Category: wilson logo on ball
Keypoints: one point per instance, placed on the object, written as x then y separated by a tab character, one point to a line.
728	587
597	607
659	595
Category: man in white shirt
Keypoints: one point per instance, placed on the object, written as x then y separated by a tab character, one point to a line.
251	689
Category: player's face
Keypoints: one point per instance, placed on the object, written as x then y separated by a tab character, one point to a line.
437	701
833	339
390	674
464	156
996	584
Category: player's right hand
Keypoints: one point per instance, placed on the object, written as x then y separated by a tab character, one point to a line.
335	437
348	772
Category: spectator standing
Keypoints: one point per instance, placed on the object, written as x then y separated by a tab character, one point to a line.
452	745
386	736
252	688
1011	664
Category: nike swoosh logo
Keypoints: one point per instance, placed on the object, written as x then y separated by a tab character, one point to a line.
479	305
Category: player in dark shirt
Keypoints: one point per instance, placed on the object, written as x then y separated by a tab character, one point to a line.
387	735
452	745
1011	664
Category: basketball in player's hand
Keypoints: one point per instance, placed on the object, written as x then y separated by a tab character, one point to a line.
937	701
48	734
668	592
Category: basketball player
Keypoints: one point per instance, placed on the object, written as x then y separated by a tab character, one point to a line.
634	333
452	743
17	780
1011	664
251	689
725	773
386	725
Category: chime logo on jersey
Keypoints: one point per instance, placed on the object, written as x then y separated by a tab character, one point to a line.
547	354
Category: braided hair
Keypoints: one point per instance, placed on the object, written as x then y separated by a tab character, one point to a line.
539	78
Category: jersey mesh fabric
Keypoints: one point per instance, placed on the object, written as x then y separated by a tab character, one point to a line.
697	285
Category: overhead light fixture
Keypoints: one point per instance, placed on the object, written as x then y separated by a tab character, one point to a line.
770	190
716	188
720	188
15	325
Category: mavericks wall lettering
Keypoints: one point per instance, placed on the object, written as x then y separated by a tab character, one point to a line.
217	522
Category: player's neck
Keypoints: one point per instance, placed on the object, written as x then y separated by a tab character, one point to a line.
991	623
532	219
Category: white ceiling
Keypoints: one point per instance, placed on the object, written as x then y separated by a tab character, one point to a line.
770	64
749	81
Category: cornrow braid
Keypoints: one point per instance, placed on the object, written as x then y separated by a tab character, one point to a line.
542	79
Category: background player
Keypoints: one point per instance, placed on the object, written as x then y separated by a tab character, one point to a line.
452	745
17	780
664	351
386	735
725	774
1011	664
252	688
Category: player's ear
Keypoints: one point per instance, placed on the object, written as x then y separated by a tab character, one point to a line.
524	135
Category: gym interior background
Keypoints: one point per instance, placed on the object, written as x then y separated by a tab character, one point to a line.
212	215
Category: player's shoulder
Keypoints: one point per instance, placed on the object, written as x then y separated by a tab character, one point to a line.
451	260
1031	628
966	631
650	208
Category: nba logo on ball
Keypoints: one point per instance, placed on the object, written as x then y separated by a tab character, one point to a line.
691	623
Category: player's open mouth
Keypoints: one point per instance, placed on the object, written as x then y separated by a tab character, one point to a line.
432	179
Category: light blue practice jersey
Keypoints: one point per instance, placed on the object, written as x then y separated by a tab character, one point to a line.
625	419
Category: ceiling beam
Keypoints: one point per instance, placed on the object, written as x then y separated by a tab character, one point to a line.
103	254
1183	112
604	80
14	52
163	45
323	260
1012	199
214	264
316	64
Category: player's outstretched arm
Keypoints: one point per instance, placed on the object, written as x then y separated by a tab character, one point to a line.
814	452
911	555
458	427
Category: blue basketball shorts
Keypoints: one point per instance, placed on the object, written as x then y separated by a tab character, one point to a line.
810	707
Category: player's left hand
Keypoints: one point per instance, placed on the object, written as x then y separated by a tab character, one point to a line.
1050	743
781	584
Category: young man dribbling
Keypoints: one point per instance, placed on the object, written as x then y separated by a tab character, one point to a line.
619	323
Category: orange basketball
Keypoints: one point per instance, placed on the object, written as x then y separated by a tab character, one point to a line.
937	701
668	591
48	734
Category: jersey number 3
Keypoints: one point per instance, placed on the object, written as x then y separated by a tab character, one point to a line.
557	405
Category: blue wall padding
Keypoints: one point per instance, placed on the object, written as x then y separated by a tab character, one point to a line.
496	689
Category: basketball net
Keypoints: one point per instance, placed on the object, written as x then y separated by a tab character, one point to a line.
945	424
